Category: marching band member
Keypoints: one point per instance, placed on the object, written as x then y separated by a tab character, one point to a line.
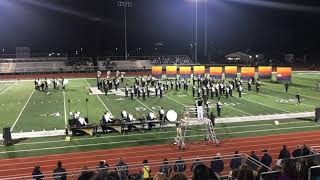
121	77
199	109
126	91
239	90
131	93
219	105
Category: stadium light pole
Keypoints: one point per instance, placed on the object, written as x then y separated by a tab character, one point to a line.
196	36
125	5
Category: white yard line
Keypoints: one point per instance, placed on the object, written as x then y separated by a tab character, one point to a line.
100	99
145	105
7	88
282	98
151	139
293	93
64	108
22	110
265	105
175	100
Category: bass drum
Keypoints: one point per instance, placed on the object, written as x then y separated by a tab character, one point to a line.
172	116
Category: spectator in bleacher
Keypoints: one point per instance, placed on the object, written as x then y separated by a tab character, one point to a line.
266	158
200	172
297	152
195	163
102	167
217	164
179	165
37	174
235	162
59	173
284	153
165	168
233	174
85	173
252	162
122	169
303	169
289	171
245	173
178	176
145	171
306	150
160	176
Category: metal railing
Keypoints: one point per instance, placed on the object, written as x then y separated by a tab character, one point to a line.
134	168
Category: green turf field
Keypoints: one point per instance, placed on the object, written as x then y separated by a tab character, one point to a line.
24	109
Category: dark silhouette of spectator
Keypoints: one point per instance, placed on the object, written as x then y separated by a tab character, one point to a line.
266	158
160	176
200	172
122	169
297	152
245	173
37	174
178	176
195	163
303	170
235	162
145	171
284	153
253	160
217	164
180	165
85	173
289	171
165	168
306	150
102	167
59	173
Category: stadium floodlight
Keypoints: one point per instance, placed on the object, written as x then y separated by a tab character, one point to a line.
125	5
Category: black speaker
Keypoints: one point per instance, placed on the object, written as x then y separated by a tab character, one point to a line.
7	140
317	115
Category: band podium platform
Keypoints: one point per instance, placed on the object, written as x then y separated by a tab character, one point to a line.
189	112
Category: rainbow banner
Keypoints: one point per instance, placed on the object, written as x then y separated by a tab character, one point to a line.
156	71
216	72
171	71
230	71
284	74
199	70
185	71
264	72
247	72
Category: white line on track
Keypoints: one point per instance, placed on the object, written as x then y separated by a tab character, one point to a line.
100	99
157	154
151	139
145	105
15	122
7	88
163	132
64	108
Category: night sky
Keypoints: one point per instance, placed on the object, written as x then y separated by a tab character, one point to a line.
97	25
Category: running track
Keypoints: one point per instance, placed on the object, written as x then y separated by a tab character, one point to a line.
19	167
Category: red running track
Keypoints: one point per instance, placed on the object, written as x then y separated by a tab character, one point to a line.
19	167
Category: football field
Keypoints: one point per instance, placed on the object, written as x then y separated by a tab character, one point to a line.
24	109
